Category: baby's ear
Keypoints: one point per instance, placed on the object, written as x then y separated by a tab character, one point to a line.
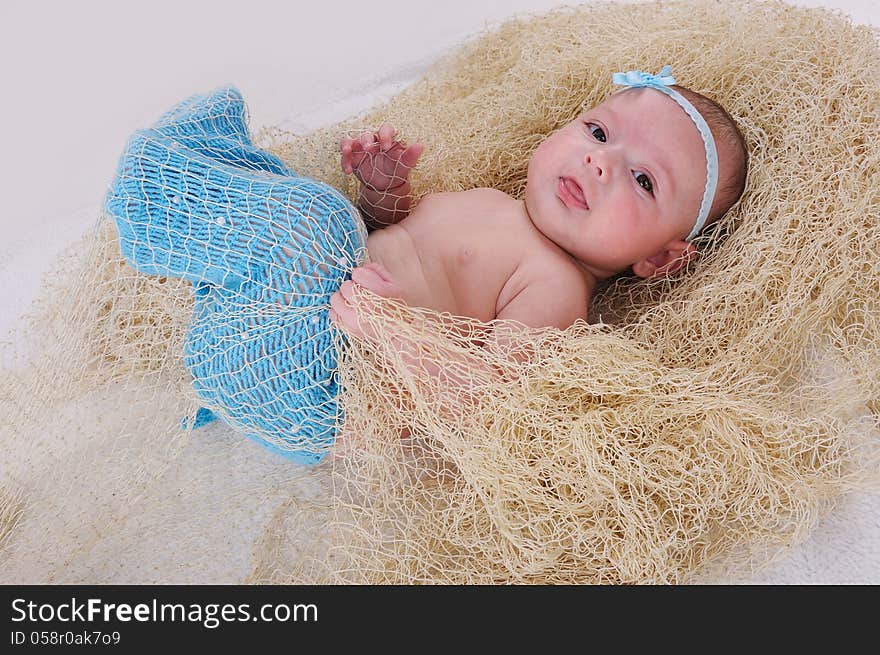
671	258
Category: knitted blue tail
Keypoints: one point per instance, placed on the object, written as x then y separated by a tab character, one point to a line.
193	198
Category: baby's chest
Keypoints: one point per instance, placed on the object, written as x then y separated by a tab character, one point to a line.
477	255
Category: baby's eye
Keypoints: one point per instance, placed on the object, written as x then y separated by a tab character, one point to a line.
597	132
645	182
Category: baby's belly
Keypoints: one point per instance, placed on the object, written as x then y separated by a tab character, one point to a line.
421	277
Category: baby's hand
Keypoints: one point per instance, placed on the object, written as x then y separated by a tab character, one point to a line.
376	278
378	160
372	276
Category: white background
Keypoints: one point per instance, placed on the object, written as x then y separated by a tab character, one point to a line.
79	77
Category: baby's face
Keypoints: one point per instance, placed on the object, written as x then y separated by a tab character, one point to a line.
619	183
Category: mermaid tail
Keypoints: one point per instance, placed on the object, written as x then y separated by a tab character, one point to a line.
194	199
269	369
184	214
215	125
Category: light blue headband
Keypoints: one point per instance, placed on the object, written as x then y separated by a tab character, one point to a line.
661	81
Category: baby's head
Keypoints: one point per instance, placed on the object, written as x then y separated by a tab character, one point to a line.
623	185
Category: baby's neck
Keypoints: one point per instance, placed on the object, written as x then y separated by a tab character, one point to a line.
590	276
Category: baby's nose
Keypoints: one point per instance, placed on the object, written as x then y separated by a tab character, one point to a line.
592	162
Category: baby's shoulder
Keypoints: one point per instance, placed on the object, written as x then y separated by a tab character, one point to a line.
558	276
479	196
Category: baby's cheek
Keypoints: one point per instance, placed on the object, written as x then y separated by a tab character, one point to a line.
540	157
630	223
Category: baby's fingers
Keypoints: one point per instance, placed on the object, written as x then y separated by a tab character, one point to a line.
343	315
345	147
368	142
410	156
375	278
353	156
366	139
386	136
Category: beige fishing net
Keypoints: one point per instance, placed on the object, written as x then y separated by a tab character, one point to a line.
694	427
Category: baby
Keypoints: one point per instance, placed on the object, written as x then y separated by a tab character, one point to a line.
626	185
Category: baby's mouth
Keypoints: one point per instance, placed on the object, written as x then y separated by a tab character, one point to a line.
571	194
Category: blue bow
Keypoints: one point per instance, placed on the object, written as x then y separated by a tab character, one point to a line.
640	78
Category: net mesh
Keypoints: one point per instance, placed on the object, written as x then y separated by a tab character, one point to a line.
695	424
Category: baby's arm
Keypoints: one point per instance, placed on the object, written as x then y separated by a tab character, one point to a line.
556	301
453	376
382	165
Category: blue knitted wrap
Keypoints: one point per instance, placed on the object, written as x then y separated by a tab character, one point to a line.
264	249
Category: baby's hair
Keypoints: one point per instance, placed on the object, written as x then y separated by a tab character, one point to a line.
726	133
